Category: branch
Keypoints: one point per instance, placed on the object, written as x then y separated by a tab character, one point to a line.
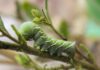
9	36
29	50
18	11
50	21
88	65
57	32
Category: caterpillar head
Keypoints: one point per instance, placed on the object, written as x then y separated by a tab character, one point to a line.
26	30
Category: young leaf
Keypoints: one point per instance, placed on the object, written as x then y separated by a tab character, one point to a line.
88	52
26	61
20	37
38	16
36	13
23	60
63	28
27	7
78	66
2	27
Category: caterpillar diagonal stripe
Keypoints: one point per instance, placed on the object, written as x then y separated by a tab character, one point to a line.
30	30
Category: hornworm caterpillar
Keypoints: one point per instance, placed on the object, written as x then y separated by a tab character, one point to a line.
30	30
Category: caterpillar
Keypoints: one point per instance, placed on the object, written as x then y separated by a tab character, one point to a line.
31	30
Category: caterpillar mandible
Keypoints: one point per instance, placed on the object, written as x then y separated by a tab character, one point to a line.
30	30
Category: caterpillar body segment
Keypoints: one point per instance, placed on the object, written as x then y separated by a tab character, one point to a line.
30	30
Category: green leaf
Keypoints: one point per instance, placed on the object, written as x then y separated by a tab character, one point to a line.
2	27
38	16
63	28
23	60
21	39
37	20
27	7
36	13
93	9
88	53
78	66
27	62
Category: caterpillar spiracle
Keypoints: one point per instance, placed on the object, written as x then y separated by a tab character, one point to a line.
30	30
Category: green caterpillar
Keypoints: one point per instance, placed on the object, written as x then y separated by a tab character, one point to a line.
47	44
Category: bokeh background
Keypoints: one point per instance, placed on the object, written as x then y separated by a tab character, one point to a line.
82	26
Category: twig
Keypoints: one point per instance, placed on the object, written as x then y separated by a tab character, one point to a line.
81	54
9	36
93	66
89	58
30	50
87	65
57	32
18	11
50	21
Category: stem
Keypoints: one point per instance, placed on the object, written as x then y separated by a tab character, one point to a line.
19	15
89	58
87	65
81	54
91	66
57	32
9	36
30	50
47	12
35	65
59	68
50	22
